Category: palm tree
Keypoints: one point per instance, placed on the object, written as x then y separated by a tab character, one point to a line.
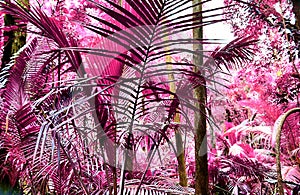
77	117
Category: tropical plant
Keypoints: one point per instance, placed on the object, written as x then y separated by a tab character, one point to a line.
88	120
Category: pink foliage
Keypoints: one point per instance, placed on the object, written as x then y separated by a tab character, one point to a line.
291	173
241	150
258	94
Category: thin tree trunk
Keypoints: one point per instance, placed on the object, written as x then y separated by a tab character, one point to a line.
180	158
178	137
201	174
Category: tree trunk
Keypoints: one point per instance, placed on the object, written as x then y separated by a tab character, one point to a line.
181	159
180	153
201	174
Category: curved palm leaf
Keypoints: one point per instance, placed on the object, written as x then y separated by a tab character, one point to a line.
46	27
18	121
278	127
235	53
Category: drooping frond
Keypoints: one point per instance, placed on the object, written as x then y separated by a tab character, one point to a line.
47	27
240	175
18	122
236	53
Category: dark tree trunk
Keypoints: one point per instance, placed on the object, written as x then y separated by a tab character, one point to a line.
201	174
183	181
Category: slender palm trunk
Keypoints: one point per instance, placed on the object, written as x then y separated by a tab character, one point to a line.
178	138
201	174
181	158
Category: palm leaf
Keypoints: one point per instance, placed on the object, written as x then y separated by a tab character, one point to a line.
18	119
47	26
235	53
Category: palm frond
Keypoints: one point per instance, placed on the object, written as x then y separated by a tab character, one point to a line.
240	173
47	26
235	53
18	120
